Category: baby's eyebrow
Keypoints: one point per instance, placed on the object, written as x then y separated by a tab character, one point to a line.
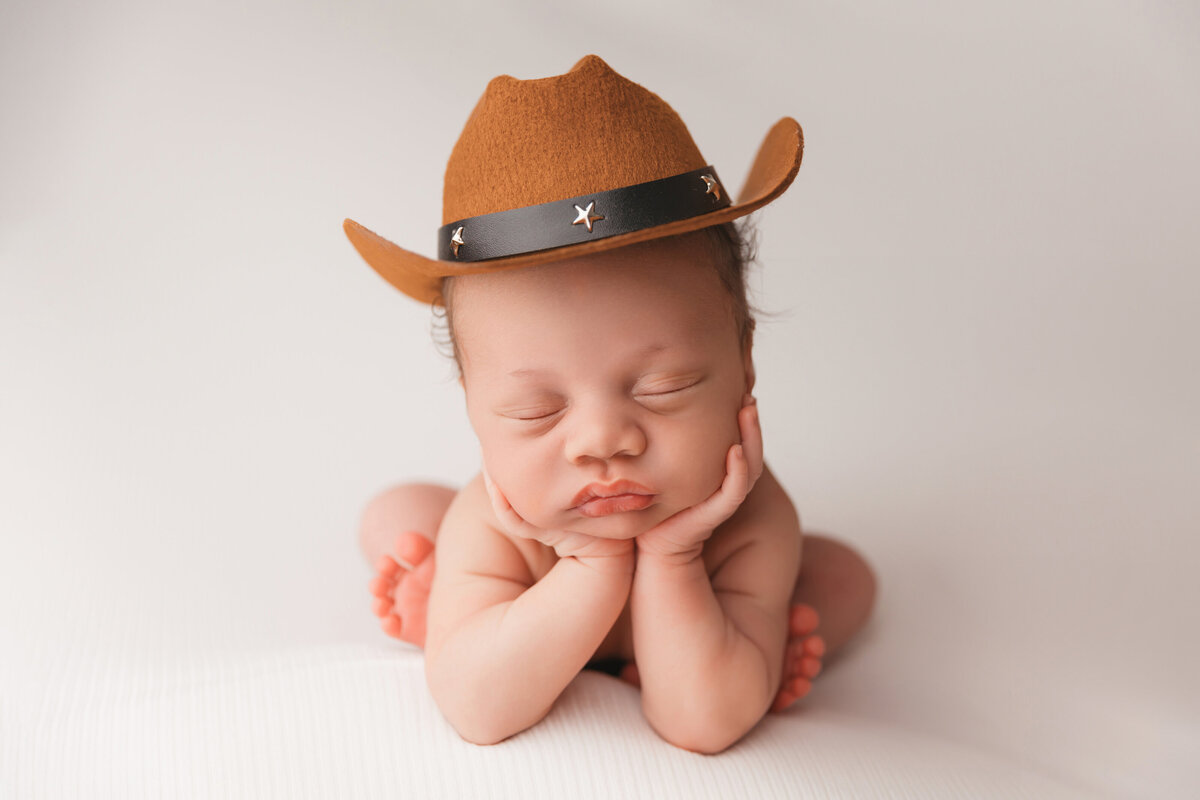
527	372
536	372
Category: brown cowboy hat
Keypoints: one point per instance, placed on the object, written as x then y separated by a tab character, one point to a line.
552	168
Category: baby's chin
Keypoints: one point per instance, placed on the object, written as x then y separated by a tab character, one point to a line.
622	525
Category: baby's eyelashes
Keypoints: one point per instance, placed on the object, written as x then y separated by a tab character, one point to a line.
531	414
668	387
666	400
530	407
660	396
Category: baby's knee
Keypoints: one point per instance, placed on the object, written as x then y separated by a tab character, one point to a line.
406	507
840	565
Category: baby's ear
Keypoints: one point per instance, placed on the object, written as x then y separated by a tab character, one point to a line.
748	359
748	363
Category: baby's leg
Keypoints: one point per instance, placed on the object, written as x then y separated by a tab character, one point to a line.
402	522
839	584
835	590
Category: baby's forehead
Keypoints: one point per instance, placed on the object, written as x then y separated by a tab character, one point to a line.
686	277
595	337
607	304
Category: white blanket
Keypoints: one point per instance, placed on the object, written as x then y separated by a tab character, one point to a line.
356	721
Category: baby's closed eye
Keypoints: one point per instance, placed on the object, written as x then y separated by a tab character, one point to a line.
532	413
668	396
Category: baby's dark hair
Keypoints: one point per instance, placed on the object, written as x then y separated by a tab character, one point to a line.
733	245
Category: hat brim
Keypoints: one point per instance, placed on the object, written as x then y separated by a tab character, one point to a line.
773	170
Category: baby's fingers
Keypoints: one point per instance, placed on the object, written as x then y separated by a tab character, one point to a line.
499	502
505	513
737	481
733	490
751	432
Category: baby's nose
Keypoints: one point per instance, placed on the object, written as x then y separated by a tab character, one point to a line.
604	435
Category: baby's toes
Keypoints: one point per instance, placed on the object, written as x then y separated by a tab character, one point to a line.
802	661
381	586
412	548
411	604
387	567
407	626
383	606
804	657
412	594
791	691
814	646
803	619
393	626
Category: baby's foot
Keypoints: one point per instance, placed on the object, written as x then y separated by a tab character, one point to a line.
401	588
802	658
629	673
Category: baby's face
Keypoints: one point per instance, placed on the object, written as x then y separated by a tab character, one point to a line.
618	366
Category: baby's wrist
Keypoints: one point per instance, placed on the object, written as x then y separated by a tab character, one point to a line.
669	560
619	564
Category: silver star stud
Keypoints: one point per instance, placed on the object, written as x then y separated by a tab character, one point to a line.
586	216
456	240
714	188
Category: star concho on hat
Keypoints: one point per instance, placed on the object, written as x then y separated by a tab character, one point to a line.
644	179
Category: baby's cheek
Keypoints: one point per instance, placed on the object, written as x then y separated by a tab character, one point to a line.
701	466
534	501
532	505
512	482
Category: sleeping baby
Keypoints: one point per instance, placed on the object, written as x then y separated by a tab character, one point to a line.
592	282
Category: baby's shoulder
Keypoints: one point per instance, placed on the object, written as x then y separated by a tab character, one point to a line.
766	513
470	523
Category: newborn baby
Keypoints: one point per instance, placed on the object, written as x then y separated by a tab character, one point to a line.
593	282
623	515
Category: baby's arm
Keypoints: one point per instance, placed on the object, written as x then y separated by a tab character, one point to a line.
500	648
710	653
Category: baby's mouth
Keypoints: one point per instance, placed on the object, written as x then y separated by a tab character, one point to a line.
616	504
598	499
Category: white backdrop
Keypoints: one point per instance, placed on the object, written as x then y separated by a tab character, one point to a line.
983	372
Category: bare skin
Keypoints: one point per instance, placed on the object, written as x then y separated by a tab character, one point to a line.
835	588
624	507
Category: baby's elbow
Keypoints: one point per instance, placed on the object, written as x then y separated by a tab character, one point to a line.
479	724
487	727
705	733
472	717
482	735
706	742
706	727
478	712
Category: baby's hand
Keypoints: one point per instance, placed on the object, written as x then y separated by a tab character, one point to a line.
681	536
567	544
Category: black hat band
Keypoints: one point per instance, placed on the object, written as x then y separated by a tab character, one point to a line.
580	219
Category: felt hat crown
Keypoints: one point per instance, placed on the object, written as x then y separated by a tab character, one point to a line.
550	168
